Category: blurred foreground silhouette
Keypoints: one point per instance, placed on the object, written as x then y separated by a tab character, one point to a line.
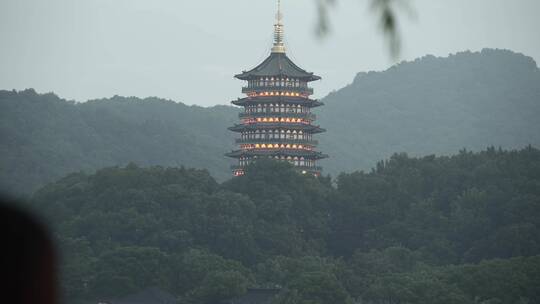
28	258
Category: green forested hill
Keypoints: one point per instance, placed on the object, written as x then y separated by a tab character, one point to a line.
461	229
434	105
44	137
431	105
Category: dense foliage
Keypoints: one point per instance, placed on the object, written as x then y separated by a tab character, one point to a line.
431	105
43	137
460	229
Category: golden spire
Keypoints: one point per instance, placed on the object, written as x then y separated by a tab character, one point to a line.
279	46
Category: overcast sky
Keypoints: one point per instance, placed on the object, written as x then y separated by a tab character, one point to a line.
189	51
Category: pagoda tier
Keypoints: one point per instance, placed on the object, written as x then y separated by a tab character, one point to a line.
267	100
277	122
280	115
278	126
293	154
278	141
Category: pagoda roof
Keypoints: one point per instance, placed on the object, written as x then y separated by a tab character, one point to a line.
277	64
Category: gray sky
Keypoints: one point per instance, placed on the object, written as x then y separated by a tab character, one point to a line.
189	51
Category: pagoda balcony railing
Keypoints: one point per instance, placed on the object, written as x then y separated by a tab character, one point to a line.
302	168
277	140
306	90
306	102
307	154
277	125
308	116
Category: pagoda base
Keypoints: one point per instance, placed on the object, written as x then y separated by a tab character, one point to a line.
315	171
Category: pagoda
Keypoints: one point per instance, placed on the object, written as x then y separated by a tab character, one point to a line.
277	122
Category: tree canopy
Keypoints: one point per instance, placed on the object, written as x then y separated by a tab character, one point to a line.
458	229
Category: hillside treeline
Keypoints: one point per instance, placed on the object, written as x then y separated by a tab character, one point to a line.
431	105
44	137
459	229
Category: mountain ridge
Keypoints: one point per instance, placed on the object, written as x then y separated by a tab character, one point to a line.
432	105
465	97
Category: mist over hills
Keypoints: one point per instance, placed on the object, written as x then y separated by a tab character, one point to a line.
431	105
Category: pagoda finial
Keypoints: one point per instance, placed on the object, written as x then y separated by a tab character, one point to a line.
279	46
